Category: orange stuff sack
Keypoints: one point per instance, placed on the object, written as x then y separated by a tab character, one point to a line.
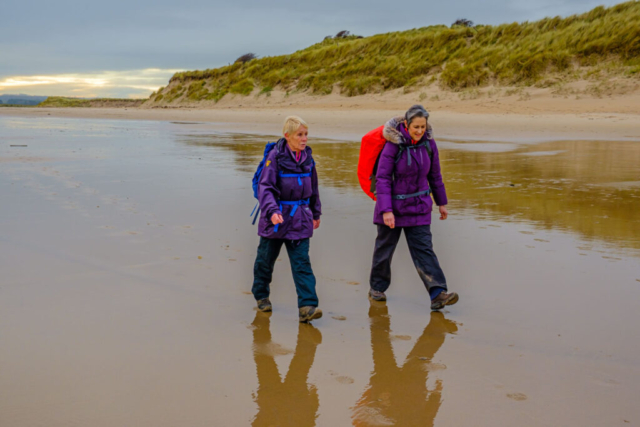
370	149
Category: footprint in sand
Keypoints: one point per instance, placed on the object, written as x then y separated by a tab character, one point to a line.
246	292
527	232
353	283
273	349
401	337
435	367
541	240
343	379
517	396
613	258
339	317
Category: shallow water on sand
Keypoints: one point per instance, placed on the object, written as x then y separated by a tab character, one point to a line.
126	253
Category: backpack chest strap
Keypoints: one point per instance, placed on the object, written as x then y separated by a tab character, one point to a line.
295	175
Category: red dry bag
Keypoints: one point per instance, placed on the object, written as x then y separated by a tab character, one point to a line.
370	149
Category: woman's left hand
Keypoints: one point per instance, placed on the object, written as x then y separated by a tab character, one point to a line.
444	213
316	223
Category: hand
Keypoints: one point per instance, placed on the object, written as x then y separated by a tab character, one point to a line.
316	223
444	213
389	219
276	218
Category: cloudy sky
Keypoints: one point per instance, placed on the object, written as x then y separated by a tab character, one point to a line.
129	48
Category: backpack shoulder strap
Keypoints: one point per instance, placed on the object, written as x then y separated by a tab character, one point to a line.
427	145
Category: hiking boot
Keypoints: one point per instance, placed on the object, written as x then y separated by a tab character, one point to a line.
444	299
309	313
377	295
264	305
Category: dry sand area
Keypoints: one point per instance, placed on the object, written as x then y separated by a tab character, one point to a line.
491	114
126	251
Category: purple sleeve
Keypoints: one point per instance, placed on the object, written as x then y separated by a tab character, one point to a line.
384	177
314	204
268	191
435	177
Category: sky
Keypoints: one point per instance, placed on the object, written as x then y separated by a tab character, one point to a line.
127	49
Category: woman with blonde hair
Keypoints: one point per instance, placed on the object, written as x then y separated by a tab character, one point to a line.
290	210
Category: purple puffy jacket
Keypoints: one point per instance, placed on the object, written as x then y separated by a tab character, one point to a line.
407	176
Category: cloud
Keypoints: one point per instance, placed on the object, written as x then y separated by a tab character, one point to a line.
74	37
132	83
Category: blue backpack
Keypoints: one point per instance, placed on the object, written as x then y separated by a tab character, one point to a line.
256	178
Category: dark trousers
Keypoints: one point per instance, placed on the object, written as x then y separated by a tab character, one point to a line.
421	249
298	250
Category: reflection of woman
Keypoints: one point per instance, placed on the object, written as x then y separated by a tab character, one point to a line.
290	203
291	402
408	172
399	395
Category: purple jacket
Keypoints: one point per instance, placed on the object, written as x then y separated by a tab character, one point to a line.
274	189
395	178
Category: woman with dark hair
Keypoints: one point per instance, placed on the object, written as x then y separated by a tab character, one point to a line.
408	174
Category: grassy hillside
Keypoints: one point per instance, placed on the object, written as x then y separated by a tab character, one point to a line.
59	101
602	41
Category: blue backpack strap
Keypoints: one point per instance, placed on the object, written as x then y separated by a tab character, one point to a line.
295	205
298	175
256	178
295	175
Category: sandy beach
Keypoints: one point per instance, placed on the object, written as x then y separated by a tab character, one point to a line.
527	115
127	249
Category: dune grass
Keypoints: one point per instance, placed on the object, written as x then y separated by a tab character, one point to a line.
64	102
458	58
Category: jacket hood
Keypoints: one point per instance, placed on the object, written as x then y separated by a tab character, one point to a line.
392	132
286	161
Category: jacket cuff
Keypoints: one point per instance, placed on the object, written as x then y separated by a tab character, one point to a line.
384	201
440	199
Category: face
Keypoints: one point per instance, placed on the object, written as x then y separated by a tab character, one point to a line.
417	128
297	141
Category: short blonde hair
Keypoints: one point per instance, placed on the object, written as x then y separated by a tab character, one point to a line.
292	124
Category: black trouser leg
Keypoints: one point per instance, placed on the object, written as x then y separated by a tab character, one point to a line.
268	251
424	258
386	243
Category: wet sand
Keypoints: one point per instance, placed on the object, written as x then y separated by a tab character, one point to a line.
126	249
351	118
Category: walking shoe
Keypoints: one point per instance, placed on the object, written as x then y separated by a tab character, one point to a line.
377	295
444	299
309	313
264	305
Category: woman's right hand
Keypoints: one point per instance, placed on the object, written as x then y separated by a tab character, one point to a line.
276	219
389	219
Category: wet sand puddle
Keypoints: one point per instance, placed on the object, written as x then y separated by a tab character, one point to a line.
127	252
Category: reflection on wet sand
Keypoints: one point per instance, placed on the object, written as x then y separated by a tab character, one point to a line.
588	187
291	402
398	395
568	185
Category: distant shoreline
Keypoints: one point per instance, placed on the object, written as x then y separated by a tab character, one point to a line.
507	119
